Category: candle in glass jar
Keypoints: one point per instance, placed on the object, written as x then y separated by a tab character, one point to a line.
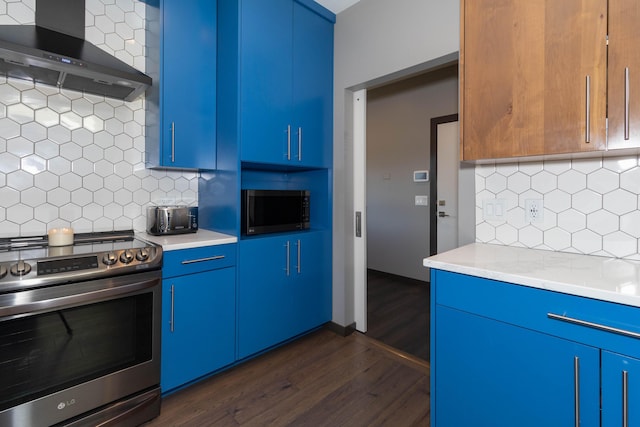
60	236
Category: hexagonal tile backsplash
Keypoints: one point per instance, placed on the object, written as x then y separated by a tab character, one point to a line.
591	206
68	159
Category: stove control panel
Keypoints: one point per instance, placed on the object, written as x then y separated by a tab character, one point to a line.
71	267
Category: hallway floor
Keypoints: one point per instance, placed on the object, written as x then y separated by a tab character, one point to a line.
398	312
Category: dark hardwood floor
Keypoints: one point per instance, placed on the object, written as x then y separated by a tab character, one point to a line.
398	312
322	379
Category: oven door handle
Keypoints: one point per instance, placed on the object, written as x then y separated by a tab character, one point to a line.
24	303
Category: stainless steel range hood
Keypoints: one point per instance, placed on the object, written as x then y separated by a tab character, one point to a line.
54	52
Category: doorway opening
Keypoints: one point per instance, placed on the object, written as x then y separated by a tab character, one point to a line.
397	123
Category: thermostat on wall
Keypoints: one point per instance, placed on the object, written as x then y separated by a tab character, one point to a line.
420	176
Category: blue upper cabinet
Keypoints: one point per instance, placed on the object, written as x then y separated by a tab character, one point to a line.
286	83
181	111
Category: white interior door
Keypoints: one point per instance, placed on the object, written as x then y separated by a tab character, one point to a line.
447	180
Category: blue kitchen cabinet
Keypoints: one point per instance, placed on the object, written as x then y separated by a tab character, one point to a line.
284	288
181	105
505	354
496	374
286	82
198	313
618	397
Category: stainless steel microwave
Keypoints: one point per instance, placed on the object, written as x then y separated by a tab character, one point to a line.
272	211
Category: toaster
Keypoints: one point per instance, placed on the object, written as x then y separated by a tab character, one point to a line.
162	220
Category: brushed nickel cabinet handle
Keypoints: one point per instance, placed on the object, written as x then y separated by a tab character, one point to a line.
299	144
626	104
594	325
576	390
173	142
625	399
211	258
588	111
171	319
288	142
299	267
287	264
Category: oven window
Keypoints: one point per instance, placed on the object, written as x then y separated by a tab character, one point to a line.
46	353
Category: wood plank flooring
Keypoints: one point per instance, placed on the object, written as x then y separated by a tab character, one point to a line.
322	379
398	312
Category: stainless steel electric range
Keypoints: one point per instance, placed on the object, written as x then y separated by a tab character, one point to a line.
80	331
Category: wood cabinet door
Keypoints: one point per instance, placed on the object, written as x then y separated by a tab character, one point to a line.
490	373
624	74
523	76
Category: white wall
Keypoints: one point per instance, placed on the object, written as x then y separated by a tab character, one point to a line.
398	142
377	41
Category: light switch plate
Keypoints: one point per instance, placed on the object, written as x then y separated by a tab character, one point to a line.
422	200
494	209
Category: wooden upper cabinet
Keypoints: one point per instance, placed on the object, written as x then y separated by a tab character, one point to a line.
527	70
624	74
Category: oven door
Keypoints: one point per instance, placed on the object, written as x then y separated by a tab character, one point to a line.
70	349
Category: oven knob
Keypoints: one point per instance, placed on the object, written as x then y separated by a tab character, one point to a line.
3	271
142	255
109	258
126	257
20	269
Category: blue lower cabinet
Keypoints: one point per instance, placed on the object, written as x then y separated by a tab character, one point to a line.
491	373
284	288
506	355
198	325
620	390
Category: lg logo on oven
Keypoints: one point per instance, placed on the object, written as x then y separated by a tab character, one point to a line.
63	405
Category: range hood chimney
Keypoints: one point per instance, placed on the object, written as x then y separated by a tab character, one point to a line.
54	52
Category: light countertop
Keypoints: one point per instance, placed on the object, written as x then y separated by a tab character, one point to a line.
602	278
189	240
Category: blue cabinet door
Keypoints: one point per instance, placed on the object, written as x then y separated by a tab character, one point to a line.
284	288
617	398
188	84
266	74
198	325
490	373
311	276
312	88
264	293
286	84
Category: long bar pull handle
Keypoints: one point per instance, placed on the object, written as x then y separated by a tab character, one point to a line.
211	258
625	399
576	390
594	325
299	267
173	142
173	297
299	144
287	268
626	104
358	224
588	111
288	142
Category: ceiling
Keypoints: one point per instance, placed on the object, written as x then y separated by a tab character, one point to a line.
337	6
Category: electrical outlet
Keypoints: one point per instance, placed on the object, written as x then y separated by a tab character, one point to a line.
533	209
422	200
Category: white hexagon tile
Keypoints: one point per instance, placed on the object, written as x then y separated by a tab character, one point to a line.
73	160
591	206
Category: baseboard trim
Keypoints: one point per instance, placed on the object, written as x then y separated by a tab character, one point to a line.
341	330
